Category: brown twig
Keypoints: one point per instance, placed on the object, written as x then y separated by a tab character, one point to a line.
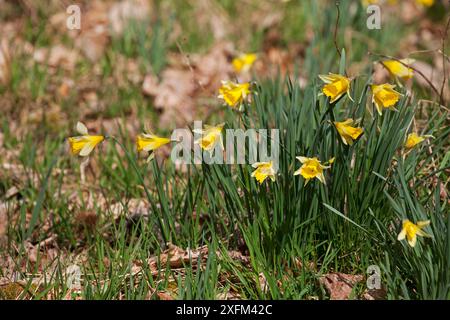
191	68
337	3
444	36
336	27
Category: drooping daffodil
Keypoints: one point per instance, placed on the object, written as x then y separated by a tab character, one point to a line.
399	68
243	62
312	168
411	231
149	142
84	144
234	93
414	139
347	132
210	137
263	171
384	96
335	86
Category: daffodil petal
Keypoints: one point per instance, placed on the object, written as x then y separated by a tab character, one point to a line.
87	149
423	223
412	242
401	235
81	128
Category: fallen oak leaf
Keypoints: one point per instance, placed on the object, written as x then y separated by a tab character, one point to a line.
5	62
164	296
340	285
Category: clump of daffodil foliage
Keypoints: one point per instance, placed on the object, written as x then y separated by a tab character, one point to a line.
356	194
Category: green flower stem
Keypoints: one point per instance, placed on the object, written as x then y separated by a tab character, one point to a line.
141	178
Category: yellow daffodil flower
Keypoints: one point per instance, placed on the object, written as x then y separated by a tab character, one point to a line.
312	168
414	139
84	144
411	231
399	68
426	3
347	132
149	143
244	62
211	136
369	2
335	86
384	96
234	93
263	171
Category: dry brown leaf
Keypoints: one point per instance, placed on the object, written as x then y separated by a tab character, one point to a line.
18	173
229	295
130	208
5	62
175	257
11	291
126	70
40	55
434	75
339	285
263	282
208	13
65	88
178	92
62	57
214	66
173	95
11	192
93	44
94	35
269	20
409	11
3	220
88	200
150	85
87	218
57	56
237	256
310	265
90	97
380	74
32	252
164	296
444	194
375	294
51	114
72	294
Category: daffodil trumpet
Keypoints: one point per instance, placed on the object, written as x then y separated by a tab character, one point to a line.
263	170
234	94
243	62
411	230
414	139
335	86
347	132
149	142
399	69
384	96
312	168
211	136
83	144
